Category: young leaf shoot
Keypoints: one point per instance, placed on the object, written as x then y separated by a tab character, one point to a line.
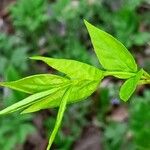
81	80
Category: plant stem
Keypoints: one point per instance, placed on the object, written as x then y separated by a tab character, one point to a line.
107	73
146	74
145	77
144	82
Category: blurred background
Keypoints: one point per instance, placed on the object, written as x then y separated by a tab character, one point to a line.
55	28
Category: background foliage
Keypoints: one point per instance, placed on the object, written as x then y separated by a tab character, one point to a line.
56	29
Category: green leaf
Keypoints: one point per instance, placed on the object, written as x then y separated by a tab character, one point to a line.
49	101
72	68
27	101
59	117
111	53
36	83
80	90
129	86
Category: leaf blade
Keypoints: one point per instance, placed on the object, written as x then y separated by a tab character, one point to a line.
111	53
35	83
46	102
27	101
80	91
59	117
72	68
129	86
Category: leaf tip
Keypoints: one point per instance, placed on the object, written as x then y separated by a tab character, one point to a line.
42	58
3	112
85	21
87	24
34	57
123	98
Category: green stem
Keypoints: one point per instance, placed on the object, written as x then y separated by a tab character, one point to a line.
146	74
145	78
144	82
107	73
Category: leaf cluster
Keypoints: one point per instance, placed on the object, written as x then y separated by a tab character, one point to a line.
59	16
80	80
